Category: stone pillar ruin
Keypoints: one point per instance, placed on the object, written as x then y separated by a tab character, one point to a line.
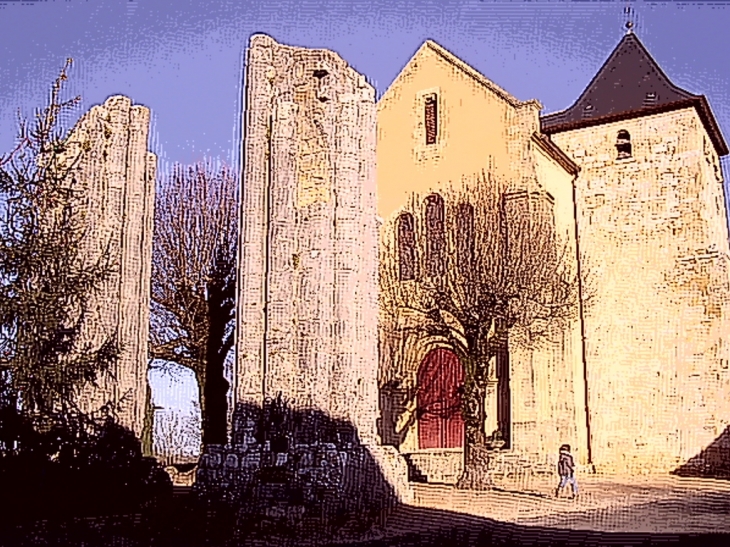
116	173
307	302
308	286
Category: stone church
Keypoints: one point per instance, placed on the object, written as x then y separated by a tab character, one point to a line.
637	380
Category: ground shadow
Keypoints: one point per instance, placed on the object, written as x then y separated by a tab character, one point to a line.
712	462
302	478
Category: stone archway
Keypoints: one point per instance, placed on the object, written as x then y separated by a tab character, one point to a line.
440	382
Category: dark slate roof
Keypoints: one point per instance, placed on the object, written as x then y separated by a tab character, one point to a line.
631	84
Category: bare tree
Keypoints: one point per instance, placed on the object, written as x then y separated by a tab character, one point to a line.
477	265
47	277
176	435
194	282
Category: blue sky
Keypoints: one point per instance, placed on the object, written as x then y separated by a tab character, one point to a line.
183	58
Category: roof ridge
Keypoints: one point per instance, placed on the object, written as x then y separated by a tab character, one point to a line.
474	73
630	83
466	68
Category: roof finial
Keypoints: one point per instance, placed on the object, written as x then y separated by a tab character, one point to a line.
629	16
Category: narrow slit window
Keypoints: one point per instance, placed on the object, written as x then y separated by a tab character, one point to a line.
406	247
623	145
431	119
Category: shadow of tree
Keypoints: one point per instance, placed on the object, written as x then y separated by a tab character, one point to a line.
712	462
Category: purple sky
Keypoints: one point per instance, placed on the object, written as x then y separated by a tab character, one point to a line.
182	58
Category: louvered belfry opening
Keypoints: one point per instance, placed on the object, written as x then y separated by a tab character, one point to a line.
431	118
623	145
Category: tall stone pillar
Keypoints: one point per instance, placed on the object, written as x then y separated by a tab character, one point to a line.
308	242
116	173
308	262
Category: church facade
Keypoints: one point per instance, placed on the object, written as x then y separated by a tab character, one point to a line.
636	378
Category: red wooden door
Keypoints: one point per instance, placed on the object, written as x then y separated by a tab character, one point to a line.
440	384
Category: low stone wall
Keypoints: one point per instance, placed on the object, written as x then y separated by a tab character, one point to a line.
310	487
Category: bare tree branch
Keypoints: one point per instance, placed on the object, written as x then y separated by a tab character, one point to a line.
193	281
502	268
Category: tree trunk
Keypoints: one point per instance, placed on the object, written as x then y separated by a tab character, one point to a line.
220	301
476	453
200	379
476	475
149	423
477	461
215	409
215	418
213	386
213	396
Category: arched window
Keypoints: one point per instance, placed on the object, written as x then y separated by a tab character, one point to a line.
435	237
406	247
623	145
465	237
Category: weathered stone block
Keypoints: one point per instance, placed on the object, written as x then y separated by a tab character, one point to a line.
656	313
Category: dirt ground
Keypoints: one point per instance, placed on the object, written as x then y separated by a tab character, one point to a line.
663	505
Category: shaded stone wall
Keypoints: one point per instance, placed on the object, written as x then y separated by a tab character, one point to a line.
653	237
117	174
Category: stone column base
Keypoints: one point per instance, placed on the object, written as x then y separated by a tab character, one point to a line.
394	468
315	486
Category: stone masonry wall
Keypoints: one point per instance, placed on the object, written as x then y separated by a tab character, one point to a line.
117	174
653	237
543	380
307	323
308	287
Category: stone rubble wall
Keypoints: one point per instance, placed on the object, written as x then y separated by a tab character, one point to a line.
310	489
320	465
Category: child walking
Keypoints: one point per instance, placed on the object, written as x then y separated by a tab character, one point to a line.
566	470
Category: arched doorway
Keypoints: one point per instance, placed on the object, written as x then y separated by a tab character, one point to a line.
440	386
